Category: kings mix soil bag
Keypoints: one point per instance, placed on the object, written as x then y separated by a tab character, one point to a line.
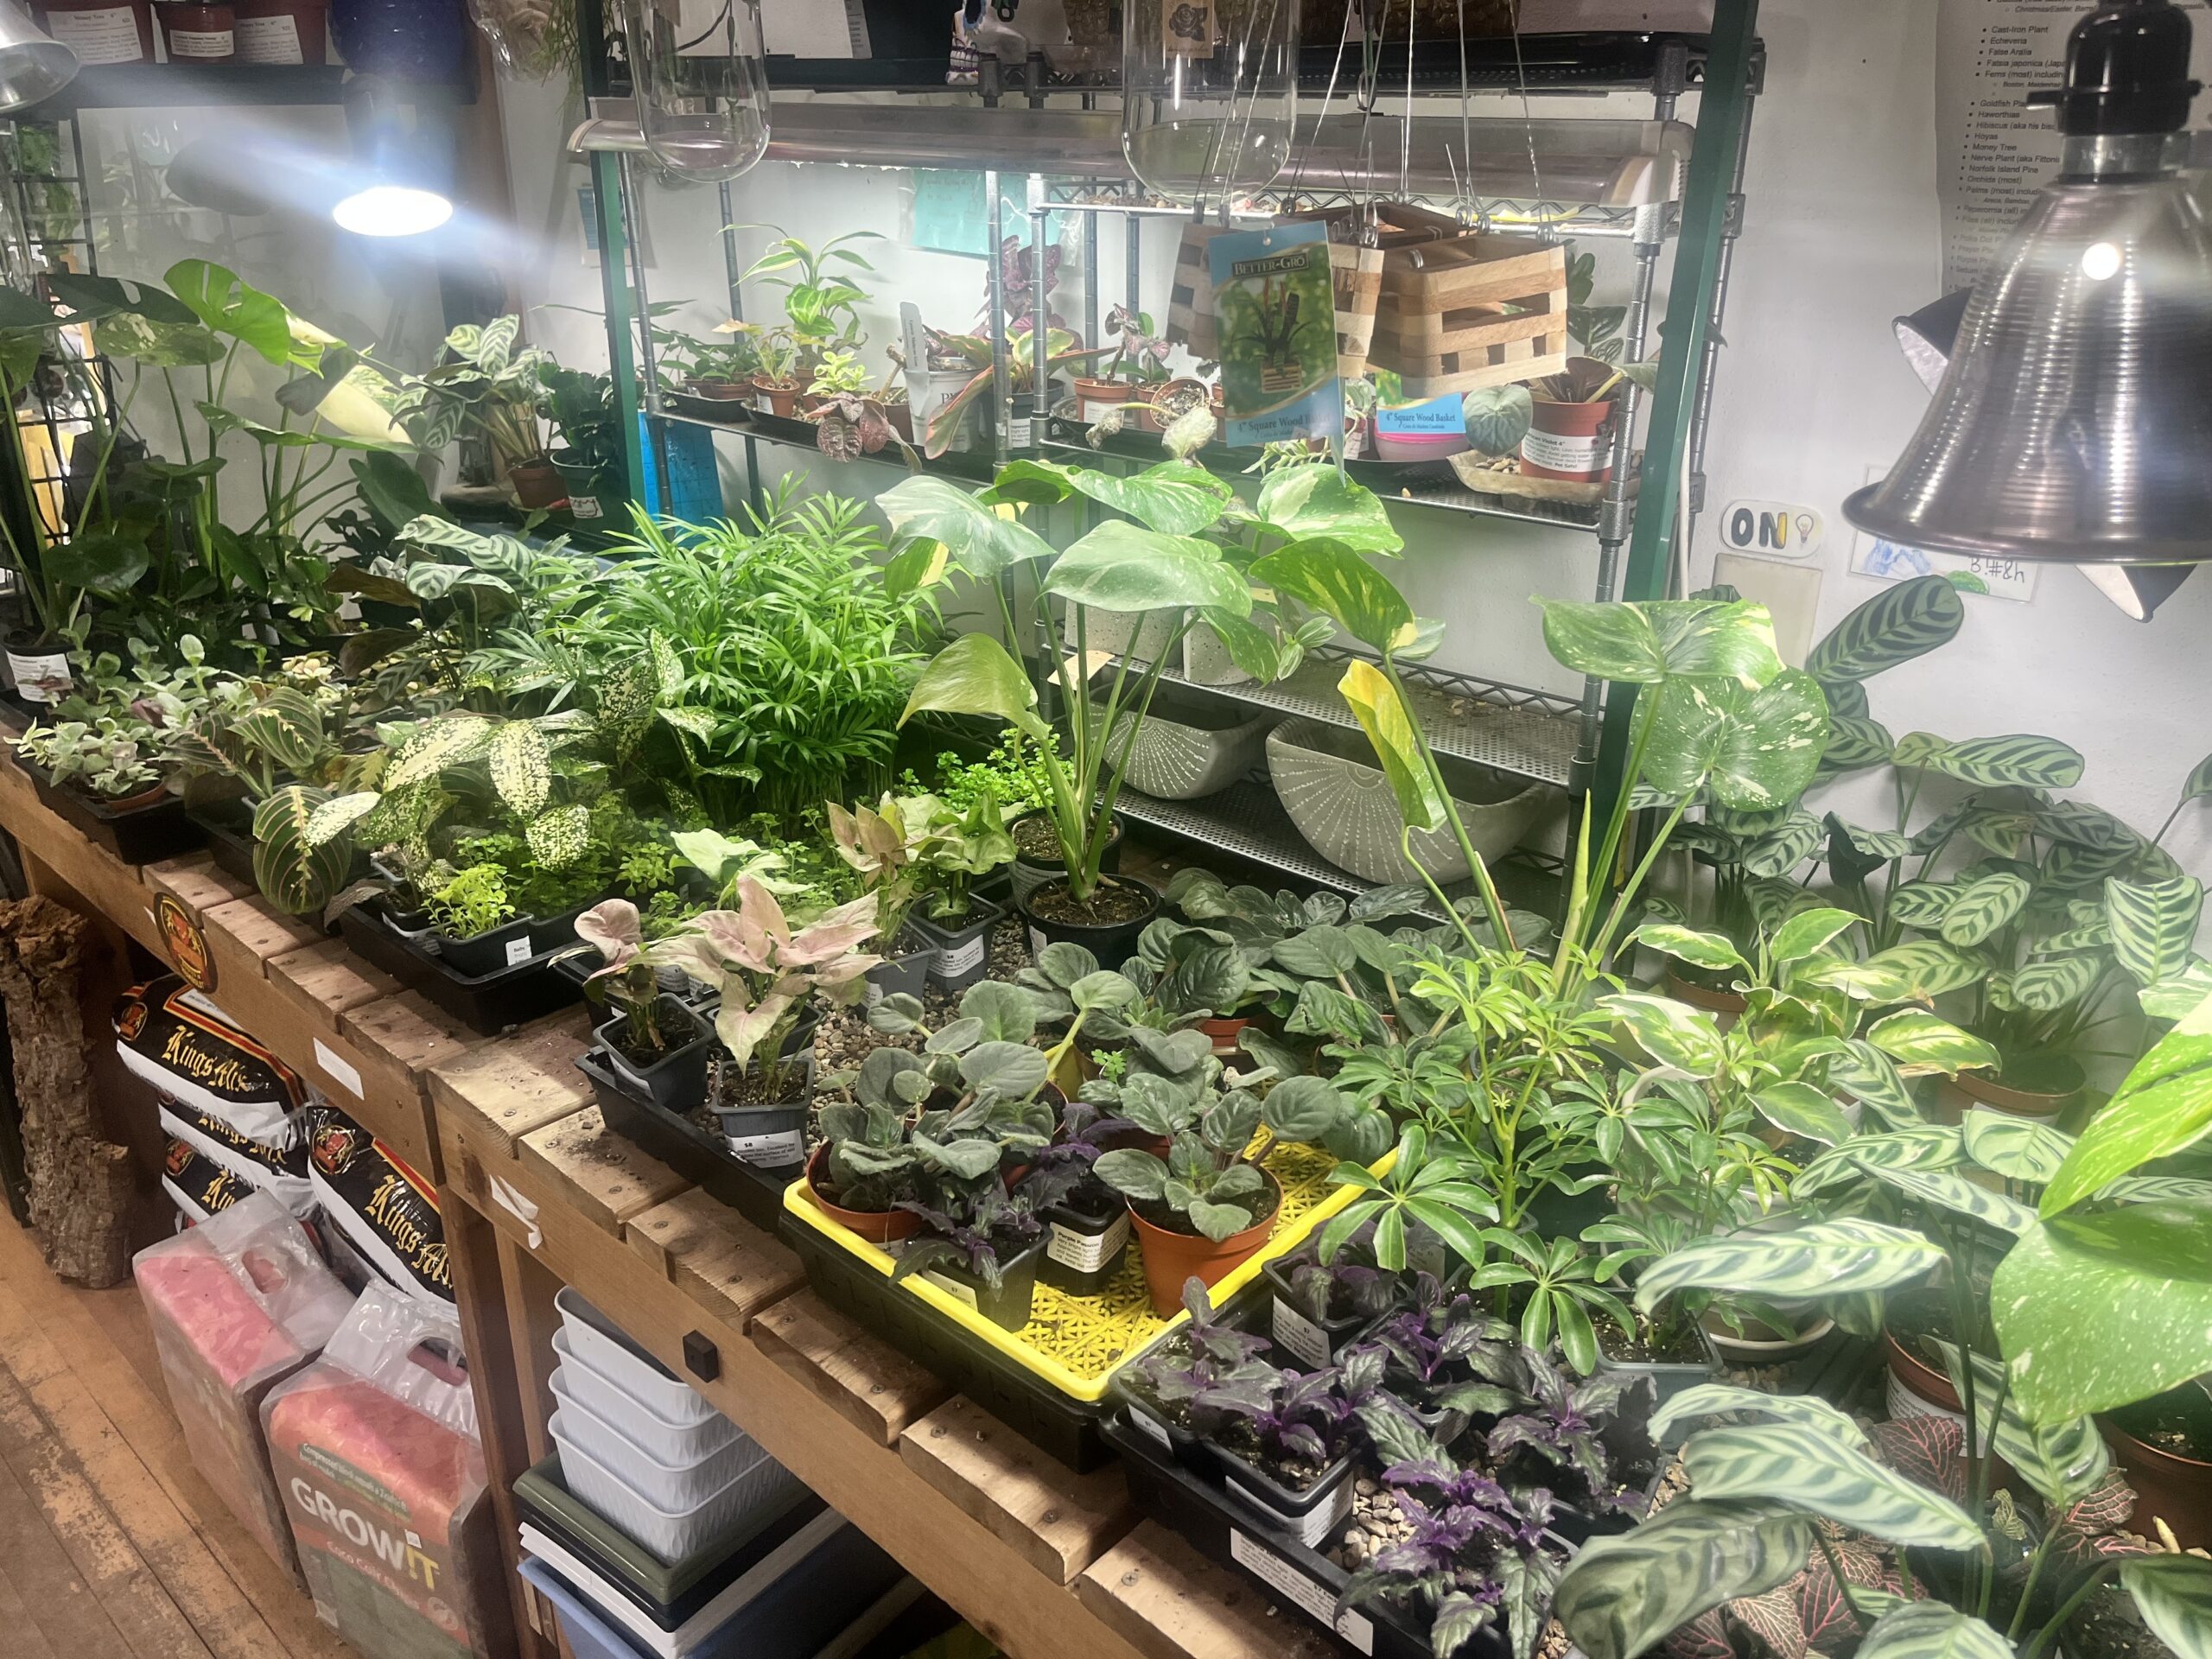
385	1211
196	1184
283	1174
182	1044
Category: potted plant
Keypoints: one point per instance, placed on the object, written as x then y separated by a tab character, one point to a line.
1139	364
1211	1202
1321	1308
590	458
881	844
489	388
769	975
821	305
957	851
979	1243
1024	375
777	386
838	374
721	370
654	1043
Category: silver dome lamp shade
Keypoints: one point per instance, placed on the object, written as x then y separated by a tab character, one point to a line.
2073	420
33	66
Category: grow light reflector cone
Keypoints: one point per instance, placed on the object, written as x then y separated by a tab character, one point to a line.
33	64
2074	421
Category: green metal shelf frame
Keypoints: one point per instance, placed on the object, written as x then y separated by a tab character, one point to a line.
1636	525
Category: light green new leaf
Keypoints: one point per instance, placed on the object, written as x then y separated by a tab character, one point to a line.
2153	925
1623	1595
1711	950
1922	1044
1175	497
1317	500
1795	1464
2173	1595
978	539
2164	1105
1670	1031
1981	906
1930	1630
1334	579
2102	1309
1389	727
230	307
1645	644
1822	1259
975	676
1807	933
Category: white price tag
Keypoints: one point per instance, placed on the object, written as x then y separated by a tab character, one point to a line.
961	958
1273	1571
519	951
1301	1335
584	506
769	1151
964	1294
1152	1426
1017	432
1088	1252
348	1076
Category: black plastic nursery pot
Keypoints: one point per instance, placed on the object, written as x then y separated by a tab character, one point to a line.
1085	1236
1310	1514
905	969
960	952
700	1156
1293	1573
593	497
509	945
227	827
1007	1304
773	1134
677	1080
1667	1377
1027	874
487	1003
137	829
1313	1343
1112	942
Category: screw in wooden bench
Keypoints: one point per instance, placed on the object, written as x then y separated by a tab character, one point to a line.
704	1359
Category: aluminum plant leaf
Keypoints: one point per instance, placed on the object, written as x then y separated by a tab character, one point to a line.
2101	1309
1711	950
1646	644
1793	1464
2153	925
1982	906
1922	1044
1929	1630
1623	1595
1823	1258
2064	1462
1897	625
1318	500
1334	579
1173	498
2162	1106
1717	1398
2019	1149
2173	1595
1954	1194
1684	1038
979	539
1390	731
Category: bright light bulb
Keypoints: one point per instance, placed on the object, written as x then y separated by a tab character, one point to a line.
392	210
2101	262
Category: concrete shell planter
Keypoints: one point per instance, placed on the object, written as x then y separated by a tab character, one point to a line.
1206	661
1335	793
1142	636
1186	749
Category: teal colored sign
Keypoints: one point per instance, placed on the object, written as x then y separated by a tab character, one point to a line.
1439	418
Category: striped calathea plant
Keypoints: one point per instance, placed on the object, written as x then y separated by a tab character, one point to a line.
2101	1296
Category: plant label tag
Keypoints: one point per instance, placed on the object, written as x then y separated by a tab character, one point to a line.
1088	1252
1017	432
1153	1429
43	677
964	1294
110	36
1293	1330
348	1076
871	993
1275	296
1037	941
961	958
202	43
269	40
584	506
519	951
1301	1592
769	1151
1556	452
1309	1528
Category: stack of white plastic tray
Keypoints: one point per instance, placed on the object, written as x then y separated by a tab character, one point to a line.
643	1448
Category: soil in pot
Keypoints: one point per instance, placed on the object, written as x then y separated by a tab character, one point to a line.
1107	924
1677	1345
1174	1255
1036	851
2165	1446
2108	1626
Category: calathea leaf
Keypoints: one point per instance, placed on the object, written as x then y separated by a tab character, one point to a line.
1823	1258
1620	1596
2019	1149
2153	925
2173	1595
2051	983
1870	1077
2063	1462
1929	1630
1721	1399
1918	971
1795	1464
1897	625
1957	1194
1856	743
2022	759
1923	904
1782	849
1982	906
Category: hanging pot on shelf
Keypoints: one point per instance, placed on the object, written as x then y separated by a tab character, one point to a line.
283	31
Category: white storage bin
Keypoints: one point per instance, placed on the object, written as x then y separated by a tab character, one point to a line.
679	1445
665	1484
669	1534
596	1340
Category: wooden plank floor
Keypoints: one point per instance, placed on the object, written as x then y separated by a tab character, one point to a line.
110	1543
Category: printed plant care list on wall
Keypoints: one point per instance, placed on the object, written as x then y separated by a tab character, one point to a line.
1994	152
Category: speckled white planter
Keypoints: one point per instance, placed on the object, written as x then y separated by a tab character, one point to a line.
1179	758
1142	636
1206	661
1335	793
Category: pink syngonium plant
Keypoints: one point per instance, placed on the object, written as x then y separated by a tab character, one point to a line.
765	970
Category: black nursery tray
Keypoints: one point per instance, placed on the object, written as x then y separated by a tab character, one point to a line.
701	1156
142	836
228	826
1308	1583
485	1003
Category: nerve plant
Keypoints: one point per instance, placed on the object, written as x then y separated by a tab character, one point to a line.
2098	1299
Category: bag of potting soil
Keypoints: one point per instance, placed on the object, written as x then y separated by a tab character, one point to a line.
374	1447
283	1174
196	1184
236	1305
385	1211
178	1041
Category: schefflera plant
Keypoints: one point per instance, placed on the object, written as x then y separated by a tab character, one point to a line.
2101	1299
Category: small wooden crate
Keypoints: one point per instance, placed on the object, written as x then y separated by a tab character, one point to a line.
1357	271
1462	310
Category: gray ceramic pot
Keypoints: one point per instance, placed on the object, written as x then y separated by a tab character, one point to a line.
1190	747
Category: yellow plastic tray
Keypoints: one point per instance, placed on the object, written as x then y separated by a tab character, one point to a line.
1074	1342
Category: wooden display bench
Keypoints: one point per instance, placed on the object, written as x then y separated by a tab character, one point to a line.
537	1193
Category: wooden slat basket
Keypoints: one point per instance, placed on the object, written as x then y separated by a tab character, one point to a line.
1461	310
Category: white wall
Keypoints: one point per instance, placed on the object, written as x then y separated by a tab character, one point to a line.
1841	236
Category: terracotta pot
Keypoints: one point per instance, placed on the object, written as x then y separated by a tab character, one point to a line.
1726	1007
1954	1096
2168	1486
777	400
537	484
877	1227
1173	400
721	392
901	416
1573	443
1225	1034
1094	398
1172	1259
195	33
101	31
283	31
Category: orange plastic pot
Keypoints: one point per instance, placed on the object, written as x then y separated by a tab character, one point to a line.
876	1226
1225	1034
1172	1259
1572	442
